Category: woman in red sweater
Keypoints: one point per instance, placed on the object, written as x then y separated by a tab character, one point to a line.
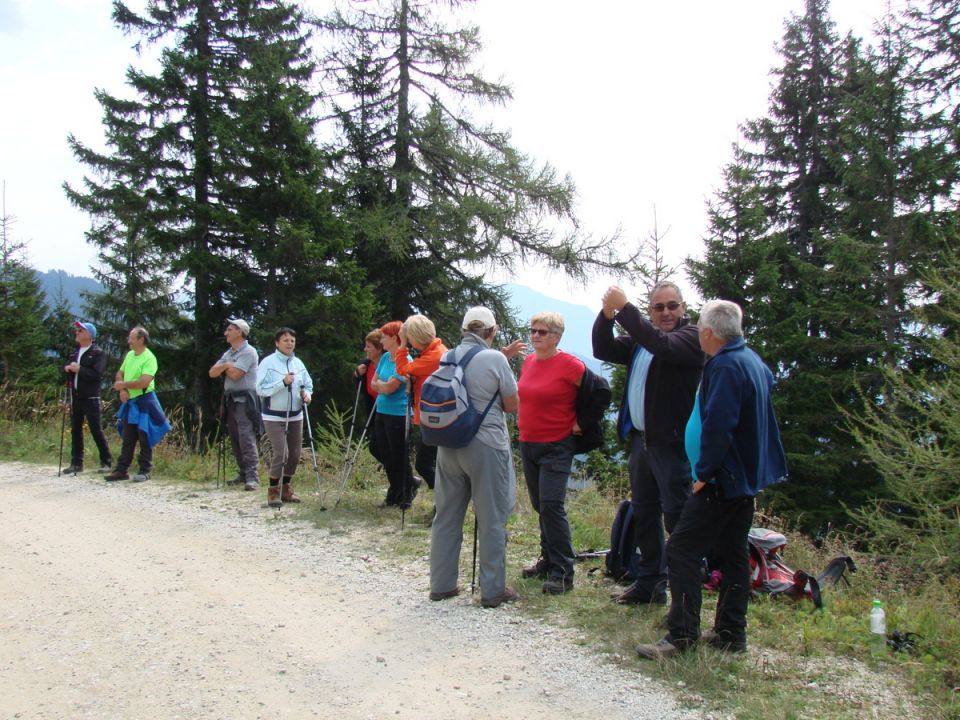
548	422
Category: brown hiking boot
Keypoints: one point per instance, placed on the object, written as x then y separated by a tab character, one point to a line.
508	595
540	570
273	496
287	494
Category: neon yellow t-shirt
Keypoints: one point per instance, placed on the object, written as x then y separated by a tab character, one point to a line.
134	366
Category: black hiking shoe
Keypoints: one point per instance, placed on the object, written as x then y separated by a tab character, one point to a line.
540	570
73	470
558	585
719	642
116	475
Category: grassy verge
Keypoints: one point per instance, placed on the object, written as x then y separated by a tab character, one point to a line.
803	663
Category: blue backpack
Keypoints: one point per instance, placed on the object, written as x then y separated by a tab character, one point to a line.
447	417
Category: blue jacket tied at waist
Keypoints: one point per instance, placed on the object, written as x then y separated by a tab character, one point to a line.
146	413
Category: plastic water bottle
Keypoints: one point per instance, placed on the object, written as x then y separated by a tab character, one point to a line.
878	629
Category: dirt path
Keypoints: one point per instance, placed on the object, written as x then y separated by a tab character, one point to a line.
139	601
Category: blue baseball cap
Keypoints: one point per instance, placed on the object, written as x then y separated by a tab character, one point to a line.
89	327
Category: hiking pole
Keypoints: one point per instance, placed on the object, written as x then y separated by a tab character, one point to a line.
67	402
221	447
353	420
407	476
313	454
286	437
473	573
349	464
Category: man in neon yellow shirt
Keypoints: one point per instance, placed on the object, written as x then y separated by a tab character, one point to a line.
133	380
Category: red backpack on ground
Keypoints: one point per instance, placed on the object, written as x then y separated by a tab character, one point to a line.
770	575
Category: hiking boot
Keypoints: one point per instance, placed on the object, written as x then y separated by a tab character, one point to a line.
508	595
719	642
558	585
238	480
635	595
286	494
444	595
273	496
141	477
116	475
540	570
658	651
73	470
105	468
251	485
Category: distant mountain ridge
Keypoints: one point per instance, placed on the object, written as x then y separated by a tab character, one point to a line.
577	320
526	302
55	282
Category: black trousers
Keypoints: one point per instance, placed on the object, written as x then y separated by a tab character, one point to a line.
392	445
87	409
426	462
131	435
715	526
546	469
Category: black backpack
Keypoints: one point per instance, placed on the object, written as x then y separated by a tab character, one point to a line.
623	561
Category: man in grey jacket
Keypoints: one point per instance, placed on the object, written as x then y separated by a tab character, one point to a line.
238	365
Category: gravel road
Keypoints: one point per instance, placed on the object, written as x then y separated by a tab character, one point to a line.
147	601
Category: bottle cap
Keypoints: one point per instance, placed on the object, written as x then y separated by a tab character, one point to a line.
876	603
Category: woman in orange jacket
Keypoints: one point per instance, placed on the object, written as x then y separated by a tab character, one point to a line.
419	333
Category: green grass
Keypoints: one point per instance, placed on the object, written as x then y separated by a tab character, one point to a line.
804	663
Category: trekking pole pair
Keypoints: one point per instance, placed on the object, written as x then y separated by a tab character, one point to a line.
350	462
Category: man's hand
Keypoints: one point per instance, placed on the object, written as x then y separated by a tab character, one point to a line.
305	396
72	367
514	349
288	378
613	301
124	396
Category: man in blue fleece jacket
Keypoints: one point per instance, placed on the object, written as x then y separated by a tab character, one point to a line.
740	453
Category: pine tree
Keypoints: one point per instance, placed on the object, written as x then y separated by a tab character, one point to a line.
434	197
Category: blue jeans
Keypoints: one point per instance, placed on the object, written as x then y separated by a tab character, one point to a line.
546	468
710	525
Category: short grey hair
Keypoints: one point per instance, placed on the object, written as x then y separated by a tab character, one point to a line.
664	284
723	317
141	332
553	320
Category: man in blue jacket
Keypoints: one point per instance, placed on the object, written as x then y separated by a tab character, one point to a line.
740	453
664	362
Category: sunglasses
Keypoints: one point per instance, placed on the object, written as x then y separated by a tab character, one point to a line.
540	331
660	307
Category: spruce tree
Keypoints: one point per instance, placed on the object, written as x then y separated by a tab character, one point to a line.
224	184
796	238
23	336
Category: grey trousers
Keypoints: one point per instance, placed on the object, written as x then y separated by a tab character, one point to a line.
284	464
484	475
243	440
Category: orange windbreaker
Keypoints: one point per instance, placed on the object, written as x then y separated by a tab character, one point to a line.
419	369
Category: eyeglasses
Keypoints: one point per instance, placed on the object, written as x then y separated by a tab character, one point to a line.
660	307
540	331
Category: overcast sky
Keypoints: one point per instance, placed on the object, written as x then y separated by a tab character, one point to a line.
638	101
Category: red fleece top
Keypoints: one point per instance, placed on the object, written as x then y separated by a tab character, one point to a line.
548	394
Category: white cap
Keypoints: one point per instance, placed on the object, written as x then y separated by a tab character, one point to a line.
241	325
481	314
